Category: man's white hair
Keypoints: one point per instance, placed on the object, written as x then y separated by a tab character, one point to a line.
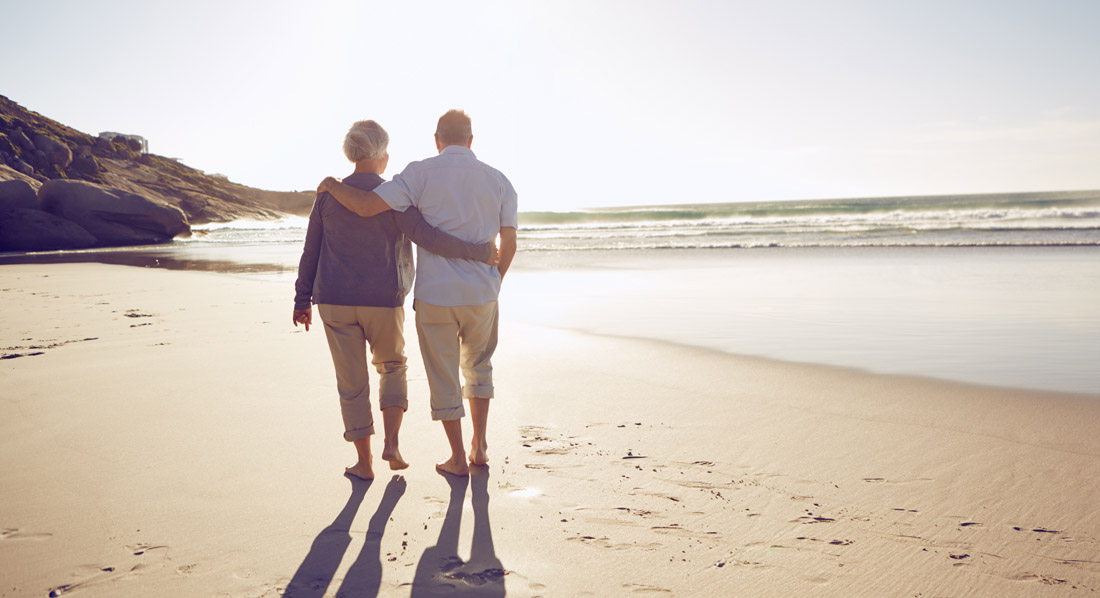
454	128
366	140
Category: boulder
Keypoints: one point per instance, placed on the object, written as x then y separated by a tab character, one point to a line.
17	194
9	173
54	151
7	148
103	146
113	216
36	159
22	167
34	230
85	163
21	139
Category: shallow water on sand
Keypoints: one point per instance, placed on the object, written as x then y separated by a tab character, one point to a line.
1024	317
1016	317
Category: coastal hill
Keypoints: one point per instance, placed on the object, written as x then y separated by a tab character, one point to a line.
110	187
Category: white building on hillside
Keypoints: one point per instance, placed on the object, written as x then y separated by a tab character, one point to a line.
110	135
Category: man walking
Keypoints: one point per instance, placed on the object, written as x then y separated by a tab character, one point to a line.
455	300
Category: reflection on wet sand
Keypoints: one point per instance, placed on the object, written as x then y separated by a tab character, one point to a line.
241	260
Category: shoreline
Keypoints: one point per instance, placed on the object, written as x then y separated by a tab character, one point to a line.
178	436
672	345
872	309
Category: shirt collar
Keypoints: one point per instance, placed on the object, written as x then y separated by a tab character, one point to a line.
458	149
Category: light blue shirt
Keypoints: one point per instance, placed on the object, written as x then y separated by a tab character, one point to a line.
458	194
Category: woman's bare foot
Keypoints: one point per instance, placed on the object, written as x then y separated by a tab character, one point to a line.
391	455
360	470
454	467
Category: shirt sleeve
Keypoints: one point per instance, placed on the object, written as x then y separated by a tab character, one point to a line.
400	192
438	242
311	253
509	207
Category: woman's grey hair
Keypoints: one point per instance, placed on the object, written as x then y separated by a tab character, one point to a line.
366	140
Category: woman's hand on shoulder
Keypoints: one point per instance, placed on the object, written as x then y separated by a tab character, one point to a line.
326	185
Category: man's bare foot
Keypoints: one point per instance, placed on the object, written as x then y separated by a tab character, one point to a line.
393	457
453	467
361	471
479	453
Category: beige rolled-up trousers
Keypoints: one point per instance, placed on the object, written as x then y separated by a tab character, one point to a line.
350	330
456	338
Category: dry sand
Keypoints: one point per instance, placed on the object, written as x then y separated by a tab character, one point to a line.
171	434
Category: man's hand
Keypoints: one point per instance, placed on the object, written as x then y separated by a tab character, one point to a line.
303	316
507	249
326	185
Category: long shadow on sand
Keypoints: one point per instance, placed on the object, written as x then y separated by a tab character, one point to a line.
365	575
440	570
317	570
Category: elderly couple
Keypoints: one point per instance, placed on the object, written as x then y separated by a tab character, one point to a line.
357	267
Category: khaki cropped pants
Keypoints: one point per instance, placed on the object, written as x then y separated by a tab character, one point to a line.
457	338
350	330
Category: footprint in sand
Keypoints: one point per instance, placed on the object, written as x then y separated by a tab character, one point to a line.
830	542
98	574
17	355
675	530
36	348
1043	579
1037	530
544	442
811	520
638	588
140	549
886	481
473	578
92	575
18	534
606	543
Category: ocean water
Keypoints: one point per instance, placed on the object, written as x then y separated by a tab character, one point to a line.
1067	218
990	289
1029	219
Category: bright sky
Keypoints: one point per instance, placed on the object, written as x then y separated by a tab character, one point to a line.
586	103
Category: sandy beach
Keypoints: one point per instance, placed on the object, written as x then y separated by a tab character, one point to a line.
170	433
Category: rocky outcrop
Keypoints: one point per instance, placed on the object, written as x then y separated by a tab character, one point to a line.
85	163
54	152
114	217
7	173
17	194
21	140
23	229
36	150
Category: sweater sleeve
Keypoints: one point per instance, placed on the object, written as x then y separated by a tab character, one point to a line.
438	242
311	253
